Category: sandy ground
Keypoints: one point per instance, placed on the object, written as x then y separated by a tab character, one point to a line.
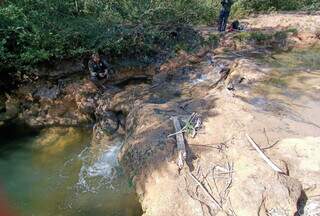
227	176
301	21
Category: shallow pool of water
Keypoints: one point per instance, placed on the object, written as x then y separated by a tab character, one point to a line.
291	88
53	172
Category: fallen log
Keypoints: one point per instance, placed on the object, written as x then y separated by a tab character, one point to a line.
181	147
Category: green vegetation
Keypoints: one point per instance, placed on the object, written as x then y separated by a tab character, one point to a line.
253	36
261	37
249	6
35	31
212	40
297	58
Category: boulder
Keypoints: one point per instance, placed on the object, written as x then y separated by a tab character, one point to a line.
256	189
11	108
108	122
302	160
47	93
243	73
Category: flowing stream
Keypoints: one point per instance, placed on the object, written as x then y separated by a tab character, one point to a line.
53	172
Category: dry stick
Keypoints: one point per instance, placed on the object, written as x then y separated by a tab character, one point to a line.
205	190
226	191
176	133
216	186
271	146
265	134
205	179
180	143
195	198
263	156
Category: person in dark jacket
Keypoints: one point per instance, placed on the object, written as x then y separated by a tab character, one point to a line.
99	70
98	67
224	14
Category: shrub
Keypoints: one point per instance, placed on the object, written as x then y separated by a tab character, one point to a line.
212	40
243	7
260	36
34	31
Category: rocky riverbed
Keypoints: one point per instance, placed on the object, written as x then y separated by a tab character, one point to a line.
239	88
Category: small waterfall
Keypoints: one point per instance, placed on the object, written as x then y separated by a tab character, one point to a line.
101	172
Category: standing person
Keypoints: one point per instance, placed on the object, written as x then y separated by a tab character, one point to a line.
99	69
224	14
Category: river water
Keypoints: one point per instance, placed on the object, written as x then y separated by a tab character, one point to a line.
53	172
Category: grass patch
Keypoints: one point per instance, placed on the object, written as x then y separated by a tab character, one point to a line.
264	37
212	40
252	36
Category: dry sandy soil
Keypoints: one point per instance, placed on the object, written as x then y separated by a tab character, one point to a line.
301	21
224	174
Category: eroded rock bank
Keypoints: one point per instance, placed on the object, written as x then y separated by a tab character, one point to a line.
249	100
236	90
237	94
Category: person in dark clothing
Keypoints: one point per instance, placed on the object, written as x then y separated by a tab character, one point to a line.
99	69
224	14
235	26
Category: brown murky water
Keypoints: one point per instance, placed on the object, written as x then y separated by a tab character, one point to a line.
54	173
292	88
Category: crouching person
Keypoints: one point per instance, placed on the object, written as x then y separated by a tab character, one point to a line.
99	69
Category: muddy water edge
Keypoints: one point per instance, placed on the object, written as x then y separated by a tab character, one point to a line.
291	87
53	172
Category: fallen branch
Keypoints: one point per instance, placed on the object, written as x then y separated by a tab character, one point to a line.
176	133
263	156
184	128
271	146
205	190
265	134
182	153
191	194
223	194
192	125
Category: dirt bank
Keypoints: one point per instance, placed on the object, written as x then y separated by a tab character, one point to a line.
276	110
